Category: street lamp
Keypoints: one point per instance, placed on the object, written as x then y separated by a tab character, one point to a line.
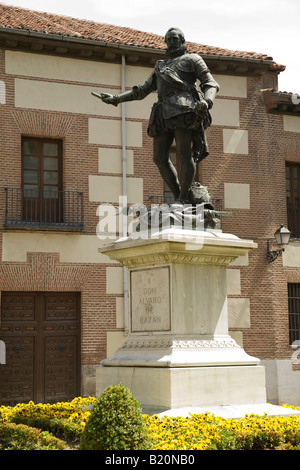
282	237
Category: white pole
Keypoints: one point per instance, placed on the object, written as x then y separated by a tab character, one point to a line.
124	182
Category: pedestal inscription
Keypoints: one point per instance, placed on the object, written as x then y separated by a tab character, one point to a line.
150	300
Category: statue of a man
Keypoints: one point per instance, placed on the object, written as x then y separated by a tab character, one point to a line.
181	112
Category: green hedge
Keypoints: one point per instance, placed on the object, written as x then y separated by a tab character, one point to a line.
21	437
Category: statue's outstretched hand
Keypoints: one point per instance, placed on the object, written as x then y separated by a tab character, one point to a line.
107	98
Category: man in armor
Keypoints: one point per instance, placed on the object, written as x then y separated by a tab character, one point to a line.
181	112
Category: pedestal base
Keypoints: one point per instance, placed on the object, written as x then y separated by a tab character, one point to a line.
161	389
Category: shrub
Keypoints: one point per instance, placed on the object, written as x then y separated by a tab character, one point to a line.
20	437
61	428
115	422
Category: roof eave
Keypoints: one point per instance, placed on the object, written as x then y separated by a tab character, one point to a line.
281	102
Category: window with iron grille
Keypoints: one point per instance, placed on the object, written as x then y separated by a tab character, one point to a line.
294	311
293	198
41	200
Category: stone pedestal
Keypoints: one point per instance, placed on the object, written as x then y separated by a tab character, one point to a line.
178	353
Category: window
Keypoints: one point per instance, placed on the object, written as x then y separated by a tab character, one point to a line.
294	311
42	179
41	201
293	197
42	173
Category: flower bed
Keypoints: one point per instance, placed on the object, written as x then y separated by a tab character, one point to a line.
207	432
65	420
196	432
75	411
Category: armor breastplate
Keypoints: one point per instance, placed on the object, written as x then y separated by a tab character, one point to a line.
175	86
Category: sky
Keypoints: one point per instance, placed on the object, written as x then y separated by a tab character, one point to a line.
265	26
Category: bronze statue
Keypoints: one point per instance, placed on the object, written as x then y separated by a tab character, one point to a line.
181	112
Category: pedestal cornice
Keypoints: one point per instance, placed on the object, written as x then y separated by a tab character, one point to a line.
174	246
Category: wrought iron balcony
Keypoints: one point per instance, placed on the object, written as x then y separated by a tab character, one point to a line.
44	209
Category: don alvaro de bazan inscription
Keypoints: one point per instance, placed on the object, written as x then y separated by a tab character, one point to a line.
150	300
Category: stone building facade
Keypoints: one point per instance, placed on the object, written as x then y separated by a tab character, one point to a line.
64	155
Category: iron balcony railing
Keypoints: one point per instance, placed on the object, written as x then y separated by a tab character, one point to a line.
44	209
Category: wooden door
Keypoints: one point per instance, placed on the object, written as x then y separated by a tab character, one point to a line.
41	332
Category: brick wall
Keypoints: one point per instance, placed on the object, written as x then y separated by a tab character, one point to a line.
261	169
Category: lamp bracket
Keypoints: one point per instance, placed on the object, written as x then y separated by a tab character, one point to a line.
272	255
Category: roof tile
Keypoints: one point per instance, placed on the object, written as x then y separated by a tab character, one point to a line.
47	23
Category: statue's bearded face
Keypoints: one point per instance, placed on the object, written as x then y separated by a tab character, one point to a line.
174	43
